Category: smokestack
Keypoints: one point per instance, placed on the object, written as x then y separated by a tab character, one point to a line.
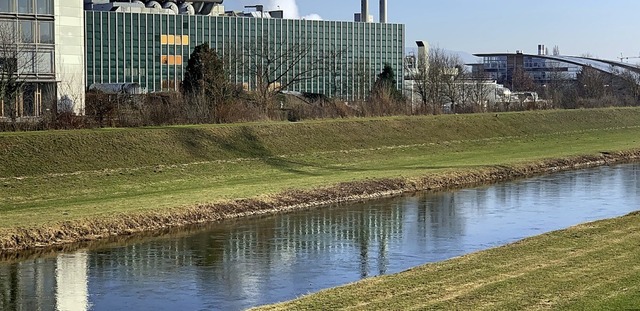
423	55
364	12
383	11
541	49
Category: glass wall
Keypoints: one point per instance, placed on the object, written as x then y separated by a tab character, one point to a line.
334	58
30	7
44	7
25	6
32	24
8	6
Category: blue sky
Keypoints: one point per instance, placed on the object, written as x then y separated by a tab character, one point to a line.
603	29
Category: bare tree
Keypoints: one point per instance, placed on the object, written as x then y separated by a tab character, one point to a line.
558	88
479	90
275	66
522	81
333	67
631	85
446	75
591	83
419	83
17	61
439	81
361	74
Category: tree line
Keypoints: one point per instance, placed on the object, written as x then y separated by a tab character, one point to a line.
443	83
210	94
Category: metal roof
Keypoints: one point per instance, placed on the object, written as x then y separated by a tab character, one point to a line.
607	66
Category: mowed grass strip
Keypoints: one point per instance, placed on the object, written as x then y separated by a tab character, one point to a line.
52	177
54	152
593	266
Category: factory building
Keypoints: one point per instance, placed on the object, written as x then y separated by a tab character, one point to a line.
149	44
42	47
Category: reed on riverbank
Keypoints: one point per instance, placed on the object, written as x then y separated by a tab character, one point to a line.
66	186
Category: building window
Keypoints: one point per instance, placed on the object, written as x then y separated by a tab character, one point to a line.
45	7
26	62
45	61
8	29
25	6
46	32
8	6
26	30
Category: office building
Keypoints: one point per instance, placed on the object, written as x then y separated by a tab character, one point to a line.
41	47
149	45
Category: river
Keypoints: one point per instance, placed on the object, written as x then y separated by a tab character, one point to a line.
238	264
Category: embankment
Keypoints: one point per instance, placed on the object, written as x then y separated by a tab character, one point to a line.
66	158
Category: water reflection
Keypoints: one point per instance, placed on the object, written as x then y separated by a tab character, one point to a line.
58	283
239	264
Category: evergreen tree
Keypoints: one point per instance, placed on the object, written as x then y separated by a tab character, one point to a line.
204	71
206	82
387	84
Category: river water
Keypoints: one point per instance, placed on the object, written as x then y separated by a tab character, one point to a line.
238	264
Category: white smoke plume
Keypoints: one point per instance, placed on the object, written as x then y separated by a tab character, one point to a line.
290	8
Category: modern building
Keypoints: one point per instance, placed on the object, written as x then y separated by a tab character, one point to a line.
42	47
543	68
149	45
62	48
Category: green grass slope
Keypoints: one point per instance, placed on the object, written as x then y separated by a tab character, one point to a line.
47	178
35	153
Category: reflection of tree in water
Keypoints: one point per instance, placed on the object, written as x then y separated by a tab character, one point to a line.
135	262
441	216
239	258
631	180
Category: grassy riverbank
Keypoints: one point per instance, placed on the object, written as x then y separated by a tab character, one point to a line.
66	186
593	266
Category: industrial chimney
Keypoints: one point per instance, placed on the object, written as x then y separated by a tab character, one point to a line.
364	11
423	55
383	11
541	49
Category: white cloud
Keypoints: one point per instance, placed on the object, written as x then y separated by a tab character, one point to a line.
313	17
289	7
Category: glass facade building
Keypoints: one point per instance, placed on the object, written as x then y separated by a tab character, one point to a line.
27	53
541	69
338	59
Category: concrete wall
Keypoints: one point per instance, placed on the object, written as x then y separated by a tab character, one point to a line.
70	54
